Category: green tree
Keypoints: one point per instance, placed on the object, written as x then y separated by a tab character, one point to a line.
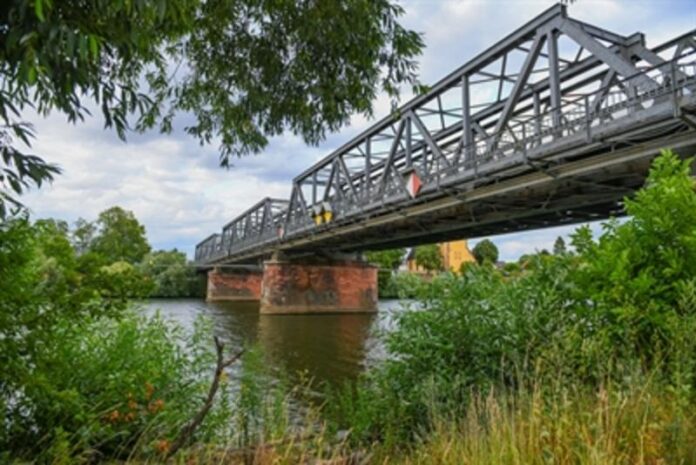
120	237
559	247
386	259
429	257
82	235
244	70
171	274
637	272
485	252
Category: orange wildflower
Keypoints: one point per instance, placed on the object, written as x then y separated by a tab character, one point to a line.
130	416
162	446
149	390
156	406
132	404
114	416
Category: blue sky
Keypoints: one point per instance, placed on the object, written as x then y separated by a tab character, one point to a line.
176	188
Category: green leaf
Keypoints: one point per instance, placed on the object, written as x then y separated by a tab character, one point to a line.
31	75
93	46
38	9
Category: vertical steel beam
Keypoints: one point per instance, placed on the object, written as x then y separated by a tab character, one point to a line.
554	80
314	187
467	139
537	115
409	139
368	166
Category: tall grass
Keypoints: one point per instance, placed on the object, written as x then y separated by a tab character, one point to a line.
641	424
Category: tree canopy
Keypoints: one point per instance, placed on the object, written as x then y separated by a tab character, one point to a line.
386	259
485	252
429	257
240	70
120	237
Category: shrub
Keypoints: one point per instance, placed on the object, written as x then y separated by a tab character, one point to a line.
107	387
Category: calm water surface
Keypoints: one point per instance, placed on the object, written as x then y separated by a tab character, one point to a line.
327	348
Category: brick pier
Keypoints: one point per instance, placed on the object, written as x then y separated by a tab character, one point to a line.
234	284
330	287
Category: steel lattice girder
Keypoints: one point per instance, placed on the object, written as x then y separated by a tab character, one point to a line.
551	83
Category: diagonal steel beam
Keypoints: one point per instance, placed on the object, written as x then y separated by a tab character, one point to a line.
505	114
427	137
656	60
392	154
615	61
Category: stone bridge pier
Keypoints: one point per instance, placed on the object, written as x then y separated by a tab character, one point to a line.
234	284
300	285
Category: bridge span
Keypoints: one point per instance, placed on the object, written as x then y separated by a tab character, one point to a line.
555	124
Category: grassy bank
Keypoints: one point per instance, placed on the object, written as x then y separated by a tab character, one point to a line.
644	424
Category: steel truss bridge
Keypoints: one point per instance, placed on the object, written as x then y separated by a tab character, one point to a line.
555	124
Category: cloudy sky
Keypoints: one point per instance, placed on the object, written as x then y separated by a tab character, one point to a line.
176	188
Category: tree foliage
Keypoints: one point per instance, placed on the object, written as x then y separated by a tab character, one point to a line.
242	70
172	275
485	252
386	259
559	247
120	237
429	257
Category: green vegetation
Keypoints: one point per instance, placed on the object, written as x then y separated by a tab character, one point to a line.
429	257
586	356
389	259
485	252
243	70
172	275
388	262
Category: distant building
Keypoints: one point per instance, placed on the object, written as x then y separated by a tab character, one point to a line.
454	253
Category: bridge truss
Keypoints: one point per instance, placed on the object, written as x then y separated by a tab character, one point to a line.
545	101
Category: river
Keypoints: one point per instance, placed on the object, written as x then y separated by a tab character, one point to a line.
327	348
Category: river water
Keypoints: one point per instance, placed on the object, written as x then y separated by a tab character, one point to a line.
327	348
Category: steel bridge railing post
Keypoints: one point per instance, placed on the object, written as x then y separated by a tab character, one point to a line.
588	118
673	84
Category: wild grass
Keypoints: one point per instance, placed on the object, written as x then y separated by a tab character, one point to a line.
640	425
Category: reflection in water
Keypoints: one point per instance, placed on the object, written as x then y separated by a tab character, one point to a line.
327	348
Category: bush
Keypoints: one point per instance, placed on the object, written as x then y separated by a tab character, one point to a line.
108	387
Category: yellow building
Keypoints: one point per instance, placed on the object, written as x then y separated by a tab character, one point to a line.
454	253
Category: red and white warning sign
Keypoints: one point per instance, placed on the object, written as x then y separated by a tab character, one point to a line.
413	184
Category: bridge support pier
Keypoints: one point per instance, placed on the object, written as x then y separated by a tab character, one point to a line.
318	286
234	284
